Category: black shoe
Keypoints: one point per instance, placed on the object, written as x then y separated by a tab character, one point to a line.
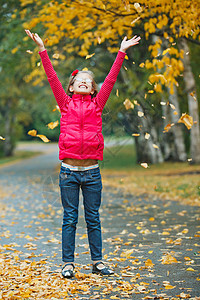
104	271
68	273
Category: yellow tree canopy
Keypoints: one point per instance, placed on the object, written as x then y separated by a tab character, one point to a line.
94	21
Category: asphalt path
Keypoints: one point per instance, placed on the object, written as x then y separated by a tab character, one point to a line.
152	229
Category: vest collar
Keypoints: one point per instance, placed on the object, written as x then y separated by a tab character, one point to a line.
81	97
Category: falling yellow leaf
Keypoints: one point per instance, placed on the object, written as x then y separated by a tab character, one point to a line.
117	93
168	127
85	69
29	51
52	125
187	120
56	55
175	113
32	132
89	55
151	91
141	65
162	103
43	138
2	138
128	104
144	165
140	114
150	252
56	108
147	136
152	219
126	57
136	134
155	146
191	269
172	106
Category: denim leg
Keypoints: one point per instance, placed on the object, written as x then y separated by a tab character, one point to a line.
91	189
69	188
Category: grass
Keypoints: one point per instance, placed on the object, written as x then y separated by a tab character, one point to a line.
20	154
169	180
119	157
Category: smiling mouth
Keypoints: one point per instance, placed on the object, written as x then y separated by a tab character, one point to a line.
83	86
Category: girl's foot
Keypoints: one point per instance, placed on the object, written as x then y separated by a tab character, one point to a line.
100	268
67	270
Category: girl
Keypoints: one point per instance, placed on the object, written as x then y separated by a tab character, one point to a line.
80	147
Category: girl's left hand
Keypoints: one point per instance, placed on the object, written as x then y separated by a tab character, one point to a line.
125	44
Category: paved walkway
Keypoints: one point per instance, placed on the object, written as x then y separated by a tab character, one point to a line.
150	243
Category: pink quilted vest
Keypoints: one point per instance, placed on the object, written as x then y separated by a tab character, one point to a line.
81	124
80	129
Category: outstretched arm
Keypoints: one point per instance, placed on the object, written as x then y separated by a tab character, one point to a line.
125	44
111	78
56	86
35	37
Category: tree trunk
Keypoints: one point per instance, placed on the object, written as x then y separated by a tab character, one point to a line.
179	144
192	103
8	143
148	149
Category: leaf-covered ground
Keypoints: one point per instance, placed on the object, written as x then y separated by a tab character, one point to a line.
152	243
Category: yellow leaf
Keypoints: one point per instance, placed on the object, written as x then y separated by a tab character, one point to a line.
141	65
155	146
43	138
166	51
2	138
136	134
168	259
32	132
126	57
169	287
127	253
85	69
29	51
147	136
84	236
152	219
128	104
56	55
172	106
52	125
187	120
144	165
89	55
117	93
150	252
191	269
148	263
151	91
140	114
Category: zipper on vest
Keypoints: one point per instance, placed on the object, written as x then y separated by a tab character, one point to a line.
82	126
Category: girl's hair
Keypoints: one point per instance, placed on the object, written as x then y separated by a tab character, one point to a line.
73	78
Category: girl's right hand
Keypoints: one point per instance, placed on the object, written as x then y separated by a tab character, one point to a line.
35	37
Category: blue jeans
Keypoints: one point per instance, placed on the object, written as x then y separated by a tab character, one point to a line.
70	183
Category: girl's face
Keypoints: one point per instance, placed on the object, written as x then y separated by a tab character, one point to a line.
82	84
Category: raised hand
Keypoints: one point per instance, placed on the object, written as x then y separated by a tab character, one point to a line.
35	37
125	44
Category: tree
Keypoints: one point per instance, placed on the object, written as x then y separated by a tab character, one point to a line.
91	23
